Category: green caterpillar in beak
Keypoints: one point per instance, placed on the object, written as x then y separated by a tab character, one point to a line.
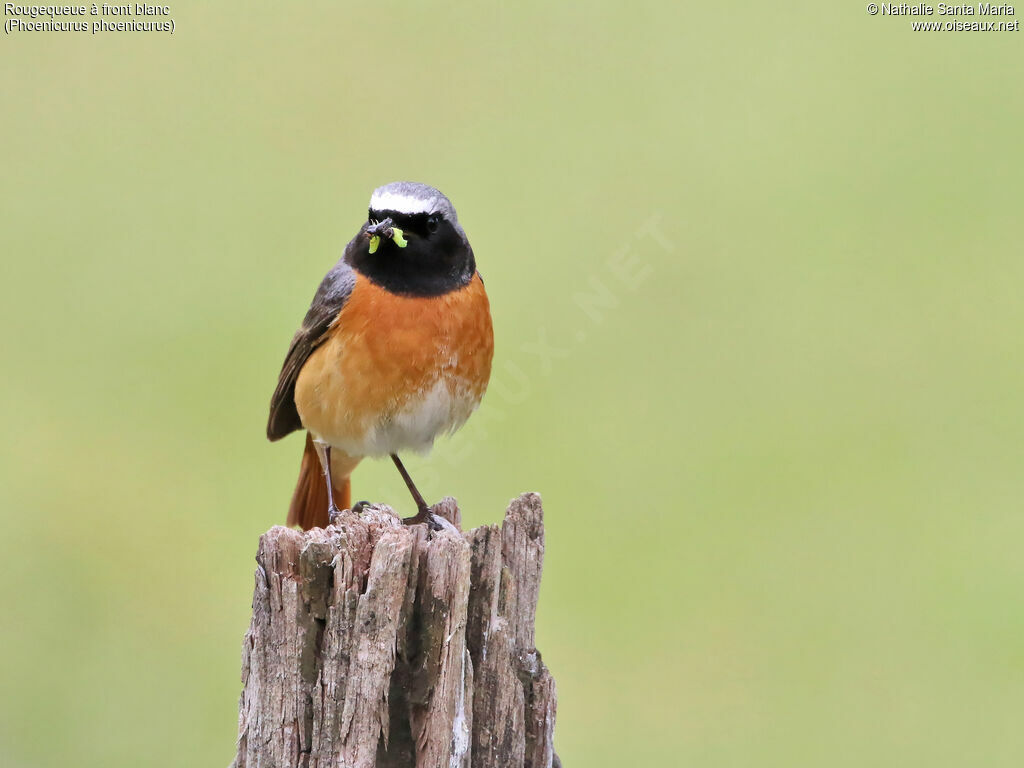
396	235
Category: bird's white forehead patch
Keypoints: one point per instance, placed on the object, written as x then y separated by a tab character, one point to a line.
389	200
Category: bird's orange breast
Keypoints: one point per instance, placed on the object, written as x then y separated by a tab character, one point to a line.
396	371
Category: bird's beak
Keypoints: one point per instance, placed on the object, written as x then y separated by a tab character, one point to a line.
385	229
381	228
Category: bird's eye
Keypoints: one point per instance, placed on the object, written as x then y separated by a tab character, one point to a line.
432	222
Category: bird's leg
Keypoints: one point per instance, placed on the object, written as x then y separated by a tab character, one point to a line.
323	451
423	515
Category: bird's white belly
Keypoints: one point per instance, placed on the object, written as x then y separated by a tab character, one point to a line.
438	409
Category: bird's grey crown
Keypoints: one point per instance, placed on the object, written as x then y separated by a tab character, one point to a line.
412	197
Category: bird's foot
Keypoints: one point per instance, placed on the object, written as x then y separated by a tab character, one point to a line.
433	522
332	514
424	515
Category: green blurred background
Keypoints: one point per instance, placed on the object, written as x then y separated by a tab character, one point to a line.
756	280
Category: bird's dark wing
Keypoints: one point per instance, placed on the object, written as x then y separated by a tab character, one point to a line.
327	303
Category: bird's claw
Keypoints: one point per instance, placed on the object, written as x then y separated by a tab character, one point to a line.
434	522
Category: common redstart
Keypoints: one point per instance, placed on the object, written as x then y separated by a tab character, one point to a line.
394	351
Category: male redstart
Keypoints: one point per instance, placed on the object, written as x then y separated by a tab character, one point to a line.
395	350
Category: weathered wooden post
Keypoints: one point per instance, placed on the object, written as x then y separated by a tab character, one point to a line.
373	644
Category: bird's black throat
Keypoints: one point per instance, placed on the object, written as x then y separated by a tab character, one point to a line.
437	257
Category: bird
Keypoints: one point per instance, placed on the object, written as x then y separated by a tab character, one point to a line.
394	351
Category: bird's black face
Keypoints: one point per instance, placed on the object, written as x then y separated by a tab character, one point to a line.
418	254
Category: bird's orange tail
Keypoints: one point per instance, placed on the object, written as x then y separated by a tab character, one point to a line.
309	502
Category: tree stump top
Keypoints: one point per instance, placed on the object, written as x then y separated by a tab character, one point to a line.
373	643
